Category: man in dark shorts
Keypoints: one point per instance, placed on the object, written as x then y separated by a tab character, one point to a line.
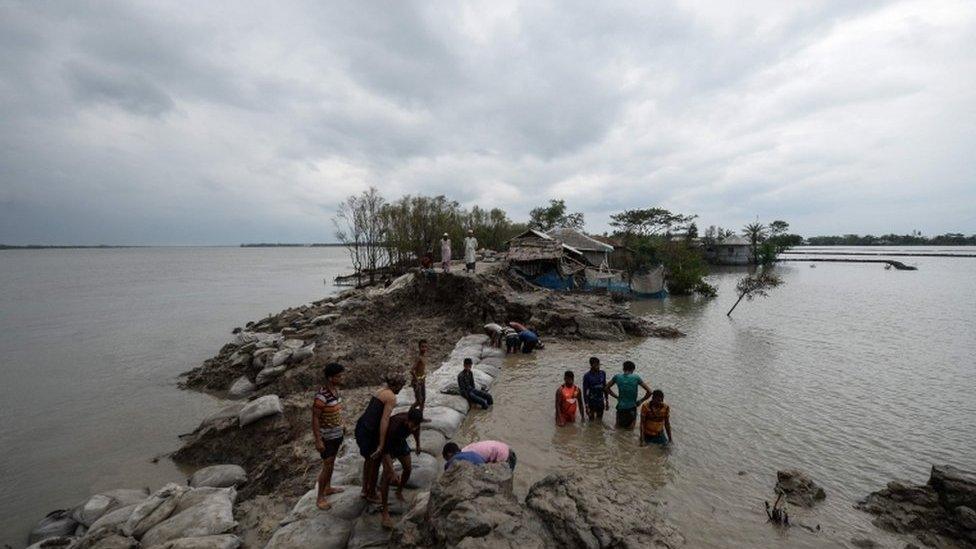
627	402
328	429
512	342
402	426
655	426
418	375
594	394
467	388
371	430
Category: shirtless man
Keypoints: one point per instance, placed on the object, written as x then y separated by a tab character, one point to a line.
418	375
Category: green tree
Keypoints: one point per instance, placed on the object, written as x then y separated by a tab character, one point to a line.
546	218
755	285
756	233
648	222
778	227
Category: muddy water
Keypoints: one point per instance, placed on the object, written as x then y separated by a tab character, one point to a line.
854	374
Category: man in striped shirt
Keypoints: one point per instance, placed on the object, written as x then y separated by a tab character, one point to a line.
327	429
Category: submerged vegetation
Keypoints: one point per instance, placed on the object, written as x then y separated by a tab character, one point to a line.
914	239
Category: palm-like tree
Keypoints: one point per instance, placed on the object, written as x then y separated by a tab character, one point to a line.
756	233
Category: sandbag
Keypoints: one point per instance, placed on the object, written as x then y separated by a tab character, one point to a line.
442	419
111	521
258	408
302	353
196	496
219	476
269	374
424	470
241	388
57	542
157	508
322	532
280	357
222	541
292	344
482	381
232	410
346	505
493	371
491	352
431	441
56	524
214	515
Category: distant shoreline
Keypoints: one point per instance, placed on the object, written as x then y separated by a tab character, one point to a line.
124	246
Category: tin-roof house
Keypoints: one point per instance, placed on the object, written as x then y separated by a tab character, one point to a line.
731	250
546	261
596	253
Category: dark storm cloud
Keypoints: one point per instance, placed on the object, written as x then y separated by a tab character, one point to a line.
220	123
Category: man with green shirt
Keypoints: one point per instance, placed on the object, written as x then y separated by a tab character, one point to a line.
627	402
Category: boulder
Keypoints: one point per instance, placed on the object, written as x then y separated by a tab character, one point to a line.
954	486
214	515
155	509
346	505
56	524
219	476
241	388
223	541
798	488
443	419
258	408
321	532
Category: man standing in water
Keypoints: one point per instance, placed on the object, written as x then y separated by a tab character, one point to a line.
627	402
418	375
327	429
567	401
655	421
594	394
470	247
446	253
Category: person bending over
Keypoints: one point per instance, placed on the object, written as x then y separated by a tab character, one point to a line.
627	402
567	401
493	451
468	390
655	420
327	429
494	332
452	454
594	394
371	430
512	342
402	426
529	339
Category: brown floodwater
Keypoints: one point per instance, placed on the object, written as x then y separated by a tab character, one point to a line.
852	373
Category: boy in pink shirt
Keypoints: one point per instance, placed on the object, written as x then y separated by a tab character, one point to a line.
493	451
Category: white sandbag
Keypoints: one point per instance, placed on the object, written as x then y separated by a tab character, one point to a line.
303	353
292	344
56	524
346	505
482	381
230	411
495	361
423	470
214	515
196	496
258	408
269	374
241	388
219	476
431	441
493	371
99	504
155	509
112	520
323	532
443	419
491	352
472	340
280	357
324	320
222	541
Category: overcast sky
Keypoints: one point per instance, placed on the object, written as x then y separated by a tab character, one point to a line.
220	123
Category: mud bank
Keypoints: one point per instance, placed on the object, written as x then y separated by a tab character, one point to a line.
272	366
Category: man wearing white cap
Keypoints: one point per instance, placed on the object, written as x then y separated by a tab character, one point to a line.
446	253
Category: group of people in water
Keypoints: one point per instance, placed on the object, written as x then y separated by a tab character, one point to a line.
382	436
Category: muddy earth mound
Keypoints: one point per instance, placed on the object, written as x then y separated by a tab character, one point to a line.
474	506
941	513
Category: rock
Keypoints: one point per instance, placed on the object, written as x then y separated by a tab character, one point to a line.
219	476
578	517
56	524
346	505
57	542
965	517
280	357
954	486
241	388
798	488
322	532
258	408
214	515
443	419
431	441
223	541
155	509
